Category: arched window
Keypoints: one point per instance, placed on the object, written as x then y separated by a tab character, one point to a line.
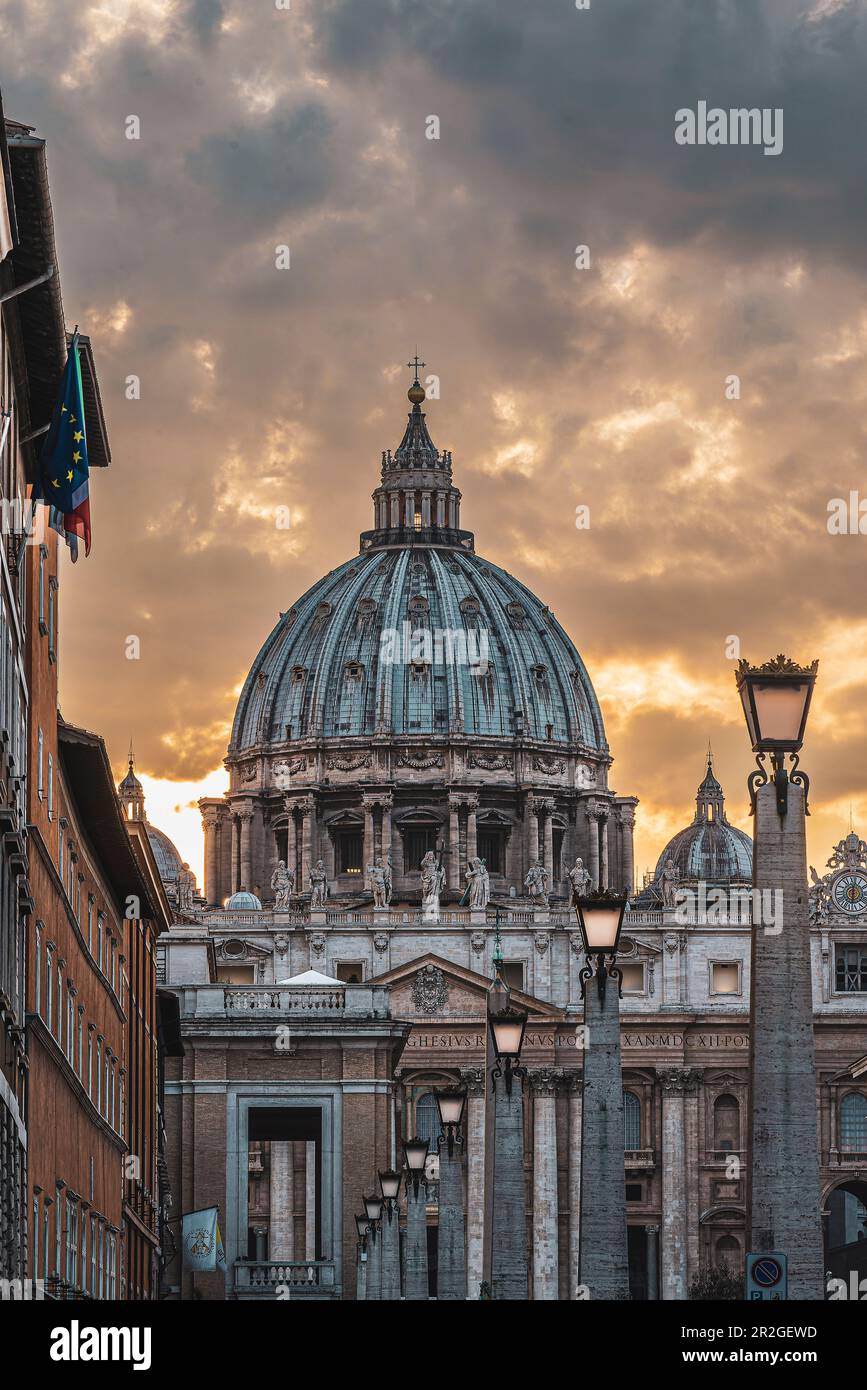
631	1121
726	1124
853	1122
427	1122
728	1252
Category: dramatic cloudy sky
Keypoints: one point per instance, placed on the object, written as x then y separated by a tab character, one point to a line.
560	387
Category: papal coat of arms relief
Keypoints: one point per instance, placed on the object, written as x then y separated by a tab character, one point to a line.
430	990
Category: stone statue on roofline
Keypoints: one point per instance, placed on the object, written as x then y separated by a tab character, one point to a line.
480	884
282	885
318	884
580	880
186	888
669	879
378	883
432	880
536	883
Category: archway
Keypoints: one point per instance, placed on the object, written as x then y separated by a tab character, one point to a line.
846	1230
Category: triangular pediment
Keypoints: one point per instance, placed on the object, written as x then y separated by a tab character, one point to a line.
460	982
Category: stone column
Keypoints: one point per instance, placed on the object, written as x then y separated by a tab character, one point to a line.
452	1254
390	1238
259	1234
360	1272
474	1128
291	844
593	825
246	818
604	1253
784	1189
472	836
575	1090
652	1234
627	866
454	864
692	1159
675	1082
369	850
373	1280
236	855
310	1200
210	821
308	811
416	1276
281	1241
603	849
532	833
385	834
543	1088
509	1270
549	843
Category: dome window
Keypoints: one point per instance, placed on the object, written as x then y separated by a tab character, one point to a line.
354	671
366	607
540	672
419	604
517	615
299	675
469	606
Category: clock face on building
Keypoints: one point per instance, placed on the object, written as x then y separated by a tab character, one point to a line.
850	892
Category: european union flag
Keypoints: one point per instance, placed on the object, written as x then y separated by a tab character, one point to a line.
62	483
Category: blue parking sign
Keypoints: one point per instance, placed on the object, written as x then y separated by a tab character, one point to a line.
767	1276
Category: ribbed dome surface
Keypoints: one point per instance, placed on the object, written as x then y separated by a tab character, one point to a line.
322	672
714	852
167	857
710	849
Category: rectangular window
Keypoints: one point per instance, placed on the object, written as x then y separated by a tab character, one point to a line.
40	751
93	1241
851	971
513	973
71	1240
61	852
725	977
37	977
416	845
43	556
351	972
490	848
90	923
350	852
49	985
99	1075
99	922
90	1060
58	1230
80	1042
52	619
50	787
633	983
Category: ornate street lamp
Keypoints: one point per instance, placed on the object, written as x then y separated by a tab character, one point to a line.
389	1183
451	1102
373	1207
361	1229
600	919
776	699
415	1157
507	1034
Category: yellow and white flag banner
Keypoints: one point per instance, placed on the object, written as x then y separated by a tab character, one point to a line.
202	1242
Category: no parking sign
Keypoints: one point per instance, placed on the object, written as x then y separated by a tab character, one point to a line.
767	1276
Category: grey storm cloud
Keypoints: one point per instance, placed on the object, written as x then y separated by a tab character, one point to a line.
558	387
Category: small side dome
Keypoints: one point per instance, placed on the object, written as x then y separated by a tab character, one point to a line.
242	902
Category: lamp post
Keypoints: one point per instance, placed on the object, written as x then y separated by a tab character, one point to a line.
451	1254
361	1259
783	1187
389	1183
509	1268
373	1208
603	1248
415	1152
